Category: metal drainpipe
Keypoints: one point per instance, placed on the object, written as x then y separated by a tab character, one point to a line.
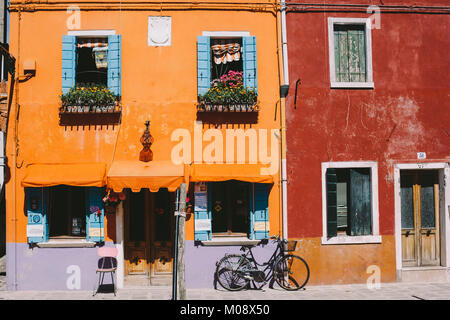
283	120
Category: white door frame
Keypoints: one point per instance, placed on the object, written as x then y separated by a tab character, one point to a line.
444	210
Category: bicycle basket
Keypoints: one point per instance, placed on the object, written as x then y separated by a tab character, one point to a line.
290	245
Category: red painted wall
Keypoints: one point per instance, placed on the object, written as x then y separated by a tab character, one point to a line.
407	112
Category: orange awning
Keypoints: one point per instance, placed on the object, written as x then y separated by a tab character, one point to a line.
71	174
224	172
153	175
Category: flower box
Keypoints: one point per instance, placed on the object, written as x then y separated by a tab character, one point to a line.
228	94
210	107
89	99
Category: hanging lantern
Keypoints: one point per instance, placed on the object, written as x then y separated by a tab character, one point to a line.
146	154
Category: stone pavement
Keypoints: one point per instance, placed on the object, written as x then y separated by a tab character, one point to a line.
387	291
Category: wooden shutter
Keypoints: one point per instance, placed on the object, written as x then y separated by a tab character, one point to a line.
202	215
350	53
249	62
360	208
69	53
260	211
95	214
37	204
331	179
203	64
357	55
115	64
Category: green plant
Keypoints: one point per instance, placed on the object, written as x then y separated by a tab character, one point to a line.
89	95
229	89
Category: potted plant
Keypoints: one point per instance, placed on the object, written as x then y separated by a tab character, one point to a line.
112	200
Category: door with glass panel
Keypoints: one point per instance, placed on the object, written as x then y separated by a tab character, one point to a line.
420	217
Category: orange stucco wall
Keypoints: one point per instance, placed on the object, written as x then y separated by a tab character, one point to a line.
344	264
158	84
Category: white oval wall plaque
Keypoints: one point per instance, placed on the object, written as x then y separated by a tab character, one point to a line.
159	31
421	155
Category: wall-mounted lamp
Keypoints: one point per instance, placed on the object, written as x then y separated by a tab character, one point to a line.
29	67
146	154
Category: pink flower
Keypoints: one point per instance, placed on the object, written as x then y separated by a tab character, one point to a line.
122	196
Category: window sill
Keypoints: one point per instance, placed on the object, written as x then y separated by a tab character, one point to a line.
351	240
230	241
66	243
352	85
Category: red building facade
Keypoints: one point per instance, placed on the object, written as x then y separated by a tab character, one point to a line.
368	145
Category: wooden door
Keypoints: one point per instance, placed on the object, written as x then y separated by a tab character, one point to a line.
161	238
136	233
420	218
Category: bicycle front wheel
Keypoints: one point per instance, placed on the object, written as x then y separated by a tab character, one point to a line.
291	272
231	271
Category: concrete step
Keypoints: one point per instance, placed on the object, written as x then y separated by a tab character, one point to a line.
163	280
425	274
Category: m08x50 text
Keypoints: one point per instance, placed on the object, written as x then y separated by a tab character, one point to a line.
247	309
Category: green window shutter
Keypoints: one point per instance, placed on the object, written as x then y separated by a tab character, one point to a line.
260	211
249	62
37	204
95	214
356	55
203	64
69	53
114	64
331	180
202	215
360	207
350	53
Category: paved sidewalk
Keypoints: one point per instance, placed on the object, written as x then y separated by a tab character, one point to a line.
387	291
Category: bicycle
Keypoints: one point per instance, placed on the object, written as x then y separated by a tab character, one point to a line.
235	271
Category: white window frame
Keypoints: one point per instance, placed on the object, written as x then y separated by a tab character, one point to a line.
368	36
375	237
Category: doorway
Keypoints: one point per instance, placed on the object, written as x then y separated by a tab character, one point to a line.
420	223
148	244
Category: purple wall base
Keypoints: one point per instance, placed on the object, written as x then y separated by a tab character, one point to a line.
200	261
52	268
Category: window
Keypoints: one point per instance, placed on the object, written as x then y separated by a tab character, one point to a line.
91	60
231	209
65	212
350	52
226	55
350	202
237	49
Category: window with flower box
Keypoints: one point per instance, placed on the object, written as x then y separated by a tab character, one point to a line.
226	72
91	73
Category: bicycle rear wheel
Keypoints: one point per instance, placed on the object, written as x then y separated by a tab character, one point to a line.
291	272
230	272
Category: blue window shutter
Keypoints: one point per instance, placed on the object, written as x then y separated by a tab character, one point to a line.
95	224
69	61
260	212
114	64
202	219
249	62
37	204
203	64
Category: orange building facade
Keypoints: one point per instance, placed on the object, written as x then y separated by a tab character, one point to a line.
76	181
